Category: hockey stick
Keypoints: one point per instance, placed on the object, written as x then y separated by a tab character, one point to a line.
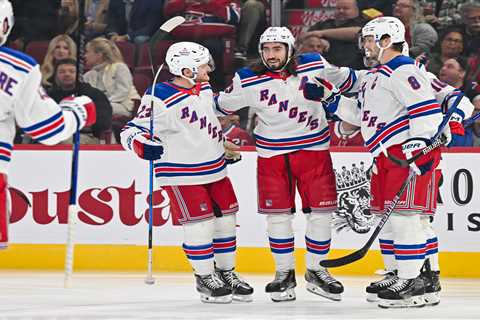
72	207
360	253
158	36
468	122
437	141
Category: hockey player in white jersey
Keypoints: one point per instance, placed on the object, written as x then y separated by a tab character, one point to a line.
25	104
292	140
397	111
190	164
447	96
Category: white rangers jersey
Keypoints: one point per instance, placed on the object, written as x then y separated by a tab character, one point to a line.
395	103
287	120
24	103
191	134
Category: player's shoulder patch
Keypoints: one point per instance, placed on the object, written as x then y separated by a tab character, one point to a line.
309	62
400	61
18	60
167	93
245	72
308	57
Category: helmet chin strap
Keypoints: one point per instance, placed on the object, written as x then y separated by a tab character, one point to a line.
191	80
382	49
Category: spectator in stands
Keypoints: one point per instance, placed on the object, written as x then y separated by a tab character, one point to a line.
341	33
442	14
471	18
207	22
232	131
35	20
65	85
450	45
252	19
349	136
110	75
420	36
453	72
95	15
60	47
313	43
133	20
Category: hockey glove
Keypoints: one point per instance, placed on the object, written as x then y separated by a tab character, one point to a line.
423	164
320	90
82	107
232	154
147	149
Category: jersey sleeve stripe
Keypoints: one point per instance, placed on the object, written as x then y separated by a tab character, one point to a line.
219	109
5	151
46	128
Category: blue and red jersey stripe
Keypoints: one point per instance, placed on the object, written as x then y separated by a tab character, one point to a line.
47	128
311	66
5	151
423	108
170	169
387	132
294	143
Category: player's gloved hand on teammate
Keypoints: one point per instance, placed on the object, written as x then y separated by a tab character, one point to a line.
232	153
320	90
82	107
425	163
455	131
147	148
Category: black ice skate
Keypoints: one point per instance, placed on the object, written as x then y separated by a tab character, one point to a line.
323	284
282	287
212	289
432	285
375	287
241	290
404	293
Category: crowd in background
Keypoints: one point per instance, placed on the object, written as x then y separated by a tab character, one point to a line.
443	35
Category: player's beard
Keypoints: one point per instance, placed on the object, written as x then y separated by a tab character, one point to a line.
278	64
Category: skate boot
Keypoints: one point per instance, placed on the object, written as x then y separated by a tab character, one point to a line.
375	287
432	287
404	293
241	290
323	284
282	287
212	289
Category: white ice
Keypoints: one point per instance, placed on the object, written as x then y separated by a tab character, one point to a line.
40	295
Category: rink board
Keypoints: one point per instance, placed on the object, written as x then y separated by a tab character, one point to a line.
111	232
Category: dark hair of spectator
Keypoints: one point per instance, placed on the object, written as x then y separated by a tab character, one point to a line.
62	62
463	62
444	34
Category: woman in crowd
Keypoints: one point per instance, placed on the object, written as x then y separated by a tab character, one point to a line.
111	75
61	47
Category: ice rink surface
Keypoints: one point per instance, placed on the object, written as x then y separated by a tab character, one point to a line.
125	296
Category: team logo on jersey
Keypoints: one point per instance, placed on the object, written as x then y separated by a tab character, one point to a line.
353	192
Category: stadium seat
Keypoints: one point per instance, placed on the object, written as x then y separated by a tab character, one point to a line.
161	51
128	52
142	79
37	49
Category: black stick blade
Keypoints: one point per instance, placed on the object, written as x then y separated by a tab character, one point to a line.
338	262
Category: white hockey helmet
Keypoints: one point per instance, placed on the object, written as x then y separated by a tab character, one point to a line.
380	27
277	34
187	55
6	18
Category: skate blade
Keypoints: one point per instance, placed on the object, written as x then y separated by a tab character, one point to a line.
222	299
287	295
242	297
431	299
320	292
413	302
372	297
